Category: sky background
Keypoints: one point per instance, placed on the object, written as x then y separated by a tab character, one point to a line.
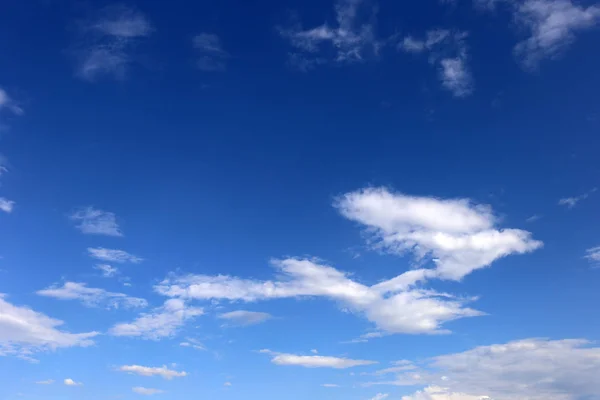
212	200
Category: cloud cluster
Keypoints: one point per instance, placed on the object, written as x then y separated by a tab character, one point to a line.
113	255
163	371
96	222
24	332
162	322
448	51
391	306
350	39
108	41
315	361
211	56
533	369
92	297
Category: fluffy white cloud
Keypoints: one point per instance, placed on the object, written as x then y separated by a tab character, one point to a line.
6	205
593	255
458	235
92	297
532	369
46	382
440	393
447	50
97	222
211	56
571	202
394	306
108	271
245	318
163	371
552	25
112	255
351	38
71	382
6	102
146	391
24	332
161	322
315	361
109	40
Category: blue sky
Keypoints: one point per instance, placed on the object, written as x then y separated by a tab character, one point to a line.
354	200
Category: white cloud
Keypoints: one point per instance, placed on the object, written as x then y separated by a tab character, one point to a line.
24	332
227	384
193	343
6	205
552	25
161	322
112	255
96	222
6	102
108	42
440	393
92	297
533	369
330	385
380	396
350	39
211	56
593	255
71	382
315	361
533	218
245	318
448	50
46	382
458	235
146	391
571	202
108	271
163	371
393	305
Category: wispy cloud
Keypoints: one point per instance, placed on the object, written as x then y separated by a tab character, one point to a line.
163	371
160	323
330	385
6	205
315	361
533	218
71	382
46	382
535	369
211	56
96	222
552	25
192	343
350	39
380	396
146	391
108	271
108	41
593	256
245	318
26	332
92	297
571	202
8	103
448	50
113	255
